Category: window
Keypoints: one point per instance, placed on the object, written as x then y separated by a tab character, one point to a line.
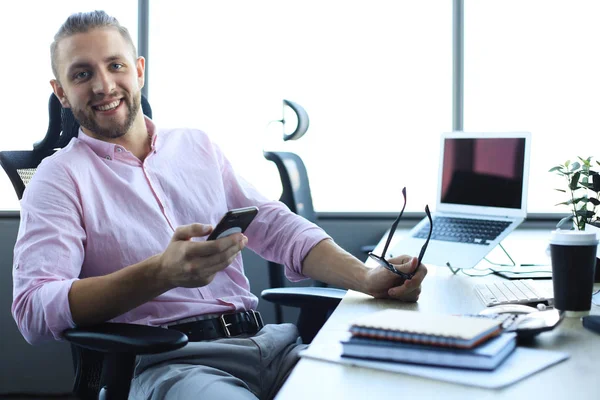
534	66
375	78
26	70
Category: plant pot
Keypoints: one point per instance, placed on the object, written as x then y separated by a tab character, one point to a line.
593	228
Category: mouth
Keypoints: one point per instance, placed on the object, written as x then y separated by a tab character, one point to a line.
108	107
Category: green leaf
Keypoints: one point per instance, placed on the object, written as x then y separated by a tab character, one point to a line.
567	163
586	162
575	201
584	181
574	181
594	201
557	168
585	213
564	221
561	190
575	166
596	183
572	201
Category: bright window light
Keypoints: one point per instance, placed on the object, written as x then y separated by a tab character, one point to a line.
375	78
534	66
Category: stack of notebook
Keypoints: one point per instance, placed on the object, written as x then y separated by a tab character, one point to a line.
441	340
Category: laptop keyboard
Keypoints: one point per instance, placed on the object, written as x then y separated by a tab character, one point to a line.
521	291
464	230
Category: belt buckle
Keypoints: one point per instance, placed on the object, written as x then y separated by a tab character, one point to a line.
225	325
258	319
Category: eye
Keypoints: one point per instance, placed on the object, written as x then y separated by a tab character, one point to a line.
81	75
117	66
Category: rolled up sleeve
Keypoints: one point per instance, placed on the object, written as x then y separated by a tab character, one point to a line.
276	233
48	256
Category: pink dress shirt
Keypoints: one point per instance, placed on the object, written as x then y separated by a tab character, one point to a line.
94	208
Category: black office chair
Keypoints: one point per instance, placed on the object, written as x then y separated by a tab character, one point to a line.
297	197
104	355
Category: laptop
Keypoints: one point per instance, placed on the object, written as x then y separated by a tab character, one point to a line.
481	198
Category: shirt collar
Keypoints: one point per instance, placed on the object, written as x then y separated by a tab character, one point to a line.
107	150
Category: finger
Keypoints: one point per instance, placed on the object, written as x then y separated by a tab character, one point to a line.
419	276
235	243
390	278
408	266
402	259
405	293
217	261
186	232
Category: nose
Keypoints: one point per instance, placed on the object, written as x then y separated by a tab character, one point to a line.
103	83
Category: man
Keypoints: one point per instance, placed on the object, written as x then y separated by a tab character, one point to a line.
113	228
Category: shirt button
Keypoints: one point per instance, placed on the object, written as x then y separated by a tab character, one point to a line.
108	158
119	149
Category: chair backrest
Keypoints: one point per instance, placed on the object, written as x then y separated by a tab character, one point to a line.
62	127
294	181
20	166
295	193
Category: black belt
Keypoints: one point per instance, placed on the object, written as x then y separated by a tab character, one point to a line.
227	325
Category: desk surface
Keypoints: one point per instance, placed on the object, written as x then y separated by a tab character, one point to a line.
444	292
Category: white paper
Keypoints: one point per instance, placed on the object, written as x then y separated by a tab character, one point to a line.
522	363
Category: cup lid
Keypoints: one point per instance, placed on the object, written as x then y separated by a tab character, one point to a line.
573	238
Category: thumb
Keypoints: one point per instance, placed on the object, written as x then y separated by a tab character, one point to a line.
405	264
186	232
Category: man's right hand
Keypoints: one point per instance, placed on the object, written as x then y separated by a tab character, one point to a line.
186	263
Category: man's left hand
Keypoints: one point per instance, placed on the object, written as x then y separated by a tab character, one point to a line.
384	284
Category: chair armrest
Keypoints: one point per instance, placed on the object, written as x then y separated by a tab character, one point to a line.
302	297
126	338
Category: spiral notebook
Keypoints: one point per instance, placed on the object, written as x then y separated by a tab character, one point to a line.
486	356
458	331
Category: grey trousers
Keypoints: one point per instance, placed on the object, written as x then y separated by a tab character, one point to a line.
234	368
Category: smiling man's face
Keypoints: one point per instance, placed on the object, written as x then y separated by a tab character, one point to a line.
101	81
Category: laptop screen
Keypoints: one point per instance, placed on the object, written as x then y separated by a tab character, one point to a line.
485	172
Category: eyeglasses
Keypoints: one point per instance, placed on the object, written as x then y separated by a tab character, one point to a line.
386	264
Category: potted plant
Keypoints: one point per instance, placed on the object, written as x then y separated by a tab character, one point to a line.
583	191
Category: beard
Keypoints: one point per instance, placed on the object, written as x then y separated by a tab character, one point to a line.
114	130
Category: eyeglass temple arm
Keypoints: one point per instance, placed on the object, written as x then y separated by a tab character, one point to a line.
392	231
422	253
394	226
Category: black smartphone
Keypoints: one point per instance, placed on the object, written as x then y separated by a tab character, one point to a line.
234	221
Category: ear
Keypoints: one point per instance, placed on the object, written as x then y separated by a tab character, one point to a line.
60	93
140	65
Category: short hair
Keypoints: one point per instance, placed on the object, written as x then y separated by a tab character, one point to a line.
84	22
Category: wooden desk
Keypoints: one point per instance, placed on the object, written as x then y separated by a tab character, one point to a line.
576	378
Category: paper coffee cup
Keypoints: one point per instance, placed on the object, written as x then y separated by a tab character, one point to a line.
573	255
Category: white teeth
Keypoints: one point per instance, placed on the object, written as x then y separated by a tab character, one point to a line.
110	106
